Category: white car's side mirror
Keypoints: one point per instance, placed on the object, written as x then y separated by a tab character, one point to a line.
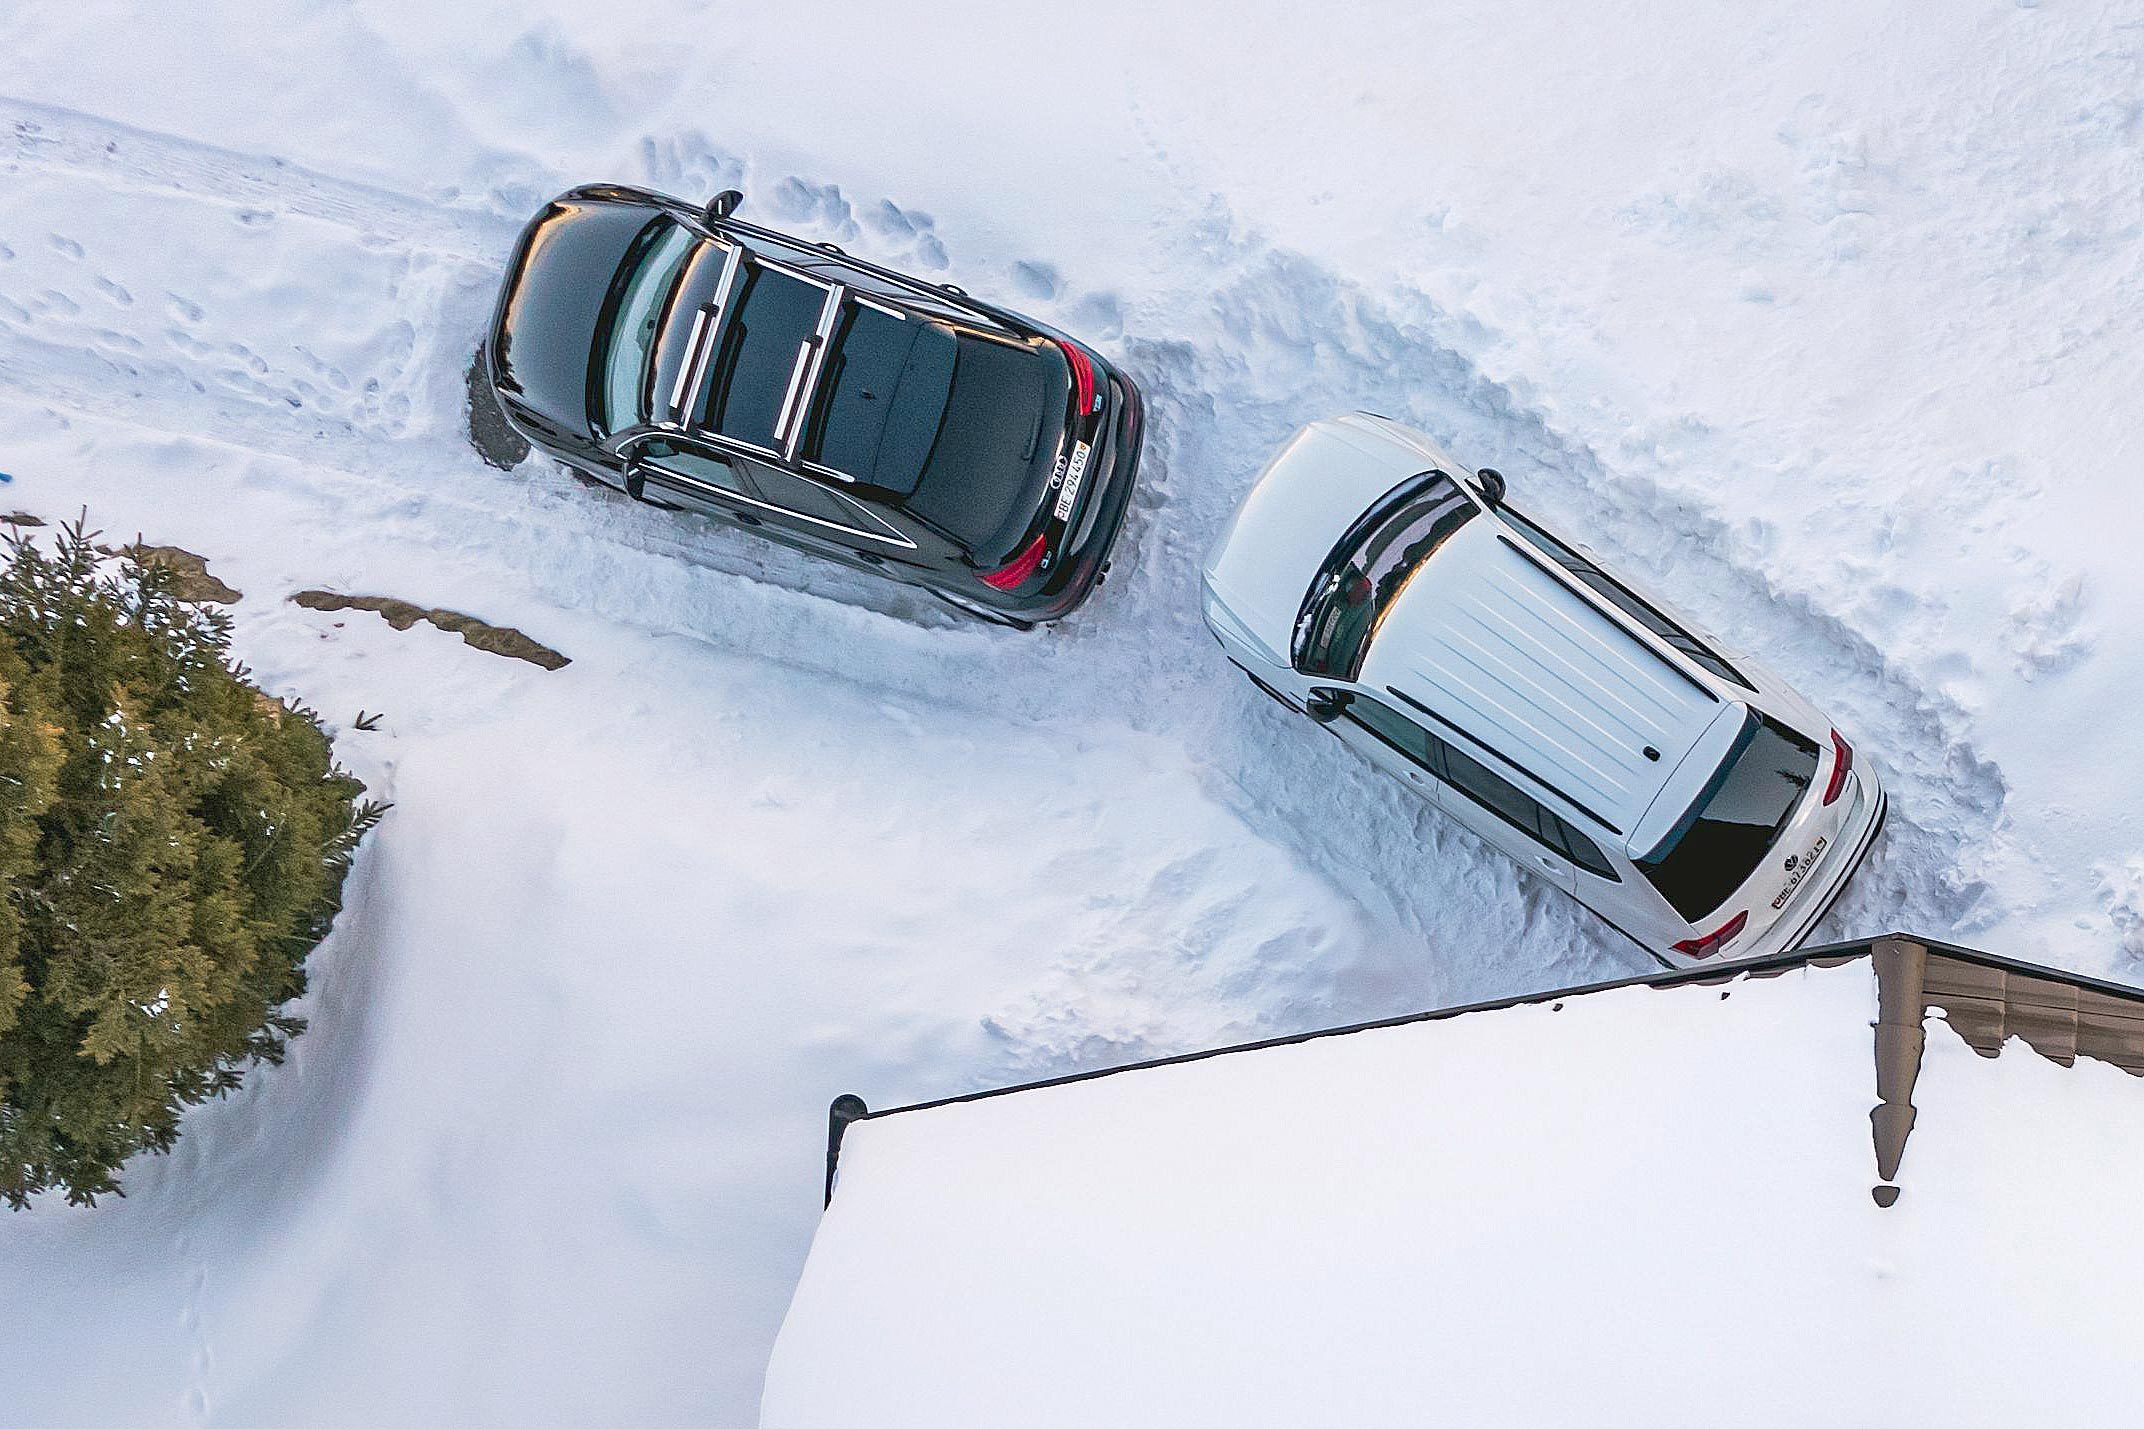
1325	706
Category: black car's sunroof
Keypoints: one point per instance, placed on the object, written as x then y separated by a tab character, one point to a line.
770	315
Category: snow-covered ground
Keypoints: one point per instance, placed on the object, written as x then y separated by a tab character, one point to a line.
1827	321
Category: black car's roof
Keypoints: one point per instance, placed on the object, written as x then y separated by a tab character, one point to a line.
797	352
889	377
761	349
806	354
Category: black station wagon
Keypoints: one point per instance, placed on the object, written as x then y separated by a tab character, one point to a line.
705	364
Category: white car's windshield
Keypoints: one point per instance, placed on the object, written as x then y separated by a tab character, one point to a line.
1368	569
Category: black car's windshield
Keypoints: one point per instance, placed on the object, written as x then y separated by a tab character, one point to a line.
1732	825
645	278
1368	569
767	320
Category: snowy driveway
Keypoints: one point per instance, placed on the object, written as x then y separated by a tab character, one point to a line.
550	1151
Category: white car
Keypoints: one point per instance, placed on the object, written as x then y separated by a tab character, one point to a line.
1684	794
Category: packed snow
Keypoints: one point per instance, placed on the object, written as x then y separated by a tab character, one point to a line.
1646	1207
1824	321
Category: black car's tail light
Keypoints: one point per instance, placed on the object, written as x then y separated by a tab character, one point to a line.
1015	572
1084	392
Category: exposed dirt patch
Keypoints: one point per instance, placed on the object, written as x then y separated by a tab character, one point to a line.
190	579
402	614
495	441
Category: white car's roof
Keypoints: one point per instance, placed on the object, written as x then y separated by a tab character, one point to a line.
1494	646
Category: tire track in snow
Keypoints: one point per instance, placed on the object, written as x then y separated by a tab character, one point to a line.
47	136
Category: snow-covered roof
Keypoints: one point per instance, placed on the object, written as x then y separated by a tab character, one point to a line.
1647	1203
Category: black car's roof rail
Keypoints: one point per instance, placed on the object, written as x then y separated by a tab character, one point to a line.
940	292
790	429
700	344
785	420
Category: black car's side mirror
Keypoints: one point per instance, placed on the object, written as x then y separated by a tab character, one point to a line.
1325	706
723	204
1492	485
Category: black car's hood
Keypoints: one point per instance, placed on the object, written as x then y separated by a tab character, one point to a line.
554	298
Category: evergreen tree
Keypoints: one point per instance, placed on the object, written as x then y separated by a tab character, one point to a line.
172	845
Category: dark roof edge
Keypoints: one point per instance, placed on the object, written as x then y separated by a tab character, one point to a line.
1829	954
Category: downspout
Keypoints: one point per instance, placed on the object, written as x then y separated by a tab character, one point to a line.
1901	967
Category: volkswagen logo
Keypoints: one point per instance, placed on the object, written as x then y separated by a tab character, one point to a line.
1793	861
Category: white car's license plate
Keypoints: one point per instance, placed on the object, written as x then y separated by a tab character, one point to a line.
1075	473
1800	871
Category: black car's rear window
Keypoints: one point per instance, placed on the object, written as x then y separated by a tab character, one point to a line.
882	398
1006	408
770	314
1369	567
1718	844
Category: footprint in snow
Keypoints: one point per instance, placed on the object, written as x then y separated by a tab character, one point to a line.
1035	280
894	221
891	219
1098	315
819	204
